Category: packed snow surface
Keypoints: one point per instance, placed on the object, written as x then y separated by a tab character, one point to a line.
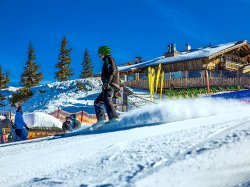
194	142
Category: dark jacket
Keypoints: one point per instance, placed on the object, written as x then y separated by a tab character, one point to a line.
19	122
110	72
75	124
66	126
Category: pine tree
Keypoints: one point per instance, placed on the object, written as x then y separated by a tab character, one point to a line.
30	76
87	67
4	79
7	79
2	98
63	64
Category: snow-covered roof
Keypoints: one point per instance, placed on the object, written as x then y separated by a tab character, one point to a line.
183	56
246	67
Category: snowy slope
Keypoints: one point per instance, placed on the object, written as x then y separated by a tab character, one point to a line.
65	95
189	150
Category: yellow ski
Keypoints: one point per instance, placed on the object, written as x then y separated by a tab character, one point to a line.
152	82
157	78
149	79
162	82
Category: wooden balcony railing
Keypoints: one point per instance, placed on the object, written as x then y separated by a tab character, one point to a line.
192	82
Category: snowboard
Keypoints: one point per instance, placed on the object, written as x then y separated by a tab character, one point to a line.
97	125
100	125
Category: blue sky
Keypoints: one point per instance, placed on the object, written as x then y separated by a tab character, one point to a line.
130	27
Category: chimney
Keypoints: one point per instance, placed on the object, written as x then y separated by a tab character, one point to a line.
172	52
188	47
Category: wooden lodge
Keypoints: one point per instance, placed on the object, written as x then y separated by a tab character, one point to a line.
221	65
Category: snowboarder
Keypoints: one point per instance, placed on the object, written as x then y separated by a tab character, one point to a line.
75	123
110	81
66	124
21	127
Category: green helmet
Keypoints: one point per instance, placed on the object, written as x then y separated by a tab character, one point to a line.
104	50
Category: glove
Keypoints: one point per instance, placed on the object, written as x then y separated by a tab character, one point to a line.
27	127
117	94
14	125
105	86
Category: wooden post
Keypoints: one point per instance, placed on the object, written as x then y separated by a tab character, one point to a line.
221	74
137	76
81	116
208	83
10	114
125	78
57	116
169	75
169	78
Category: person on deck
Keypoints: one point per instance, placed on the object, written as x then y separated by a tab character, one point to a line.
110	81
66	124
21	127
75	123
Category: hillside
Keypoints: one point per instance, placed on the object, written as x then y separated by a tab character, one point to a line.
195	142
180	142
65	95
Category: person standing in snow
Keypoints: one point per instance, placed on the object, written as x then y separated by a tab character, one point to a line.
4	137
21	128
75	123
110	81
10	137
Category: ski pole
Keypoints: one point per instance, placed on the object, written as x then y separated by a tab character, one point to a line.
132	93
121	99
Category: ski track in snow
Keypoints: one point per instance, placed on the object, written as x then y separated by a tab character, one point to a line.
113	159
218	167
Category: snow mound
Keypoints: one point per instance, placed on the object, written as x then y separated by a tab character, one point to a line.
40	119
178	110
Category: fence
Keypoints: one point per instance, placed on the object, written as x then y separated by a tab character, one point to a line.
192	82
82	116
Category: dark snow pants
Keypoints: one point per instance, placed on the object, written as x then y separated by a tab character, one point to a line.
22	133
105	98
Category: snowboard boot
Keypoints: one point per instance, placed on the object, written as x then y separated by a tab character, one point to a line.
113	120
97	125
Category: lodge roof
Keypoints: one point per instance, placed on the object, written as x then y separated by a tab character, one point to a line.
194	54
